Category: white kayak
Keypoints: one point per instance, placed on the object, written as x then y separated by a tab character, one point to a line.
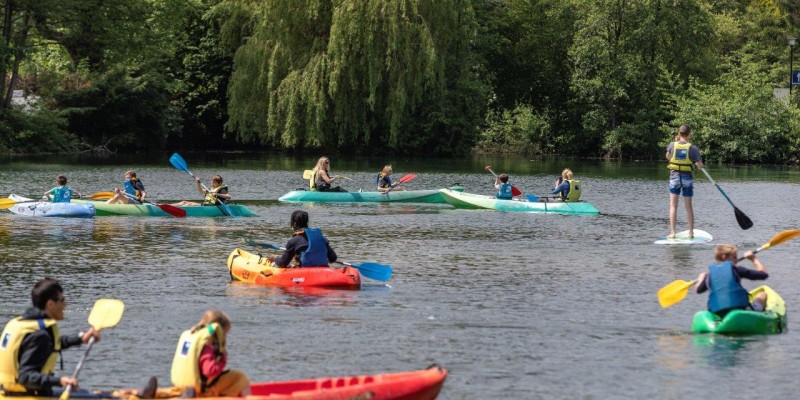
700	236
36	208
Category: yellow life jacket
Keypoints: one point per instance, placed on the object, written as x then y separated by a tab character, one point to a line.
574	193
210	198
10	342
186	363
311	181
680	160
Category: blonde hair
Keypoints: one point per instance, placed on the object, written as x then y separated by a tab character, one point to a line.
321	164
386	169
212	316
566	173
725	252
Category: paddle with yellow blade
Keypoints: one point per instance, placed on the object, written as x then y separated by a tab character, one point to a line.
106	313
676	291
308	174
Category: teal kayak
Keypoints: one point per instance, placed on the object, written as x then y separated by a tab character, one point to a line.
151	210
395	196
477	201
746	322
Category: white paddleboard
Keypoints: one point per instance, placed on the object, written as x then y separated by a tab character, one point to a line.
700	236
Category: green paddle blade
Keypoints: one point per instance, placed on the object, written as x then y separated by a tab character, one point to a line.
106	313
674	292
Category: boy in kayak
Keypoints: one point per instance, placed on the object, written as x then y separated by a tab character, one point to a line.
133	191
682	155
198	368
218	192
504	189
307	245
61	193
567	188
30	345
723	279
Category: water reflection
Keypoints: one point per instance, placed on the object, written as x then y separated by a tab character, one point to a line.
720	351
293	296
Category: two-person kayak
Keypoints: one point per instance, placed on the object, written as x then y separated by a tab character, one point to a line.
422	384
259	270
477	201
746	322
395	196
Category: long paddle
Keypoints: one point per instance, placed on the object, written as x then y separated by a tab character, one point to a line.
167	208
404	179
743	220
307	174
99	196
676	291
514	191
179	163
106	313
378	272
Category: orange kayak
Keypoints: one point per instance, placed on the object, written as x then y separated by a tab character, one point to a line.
259	270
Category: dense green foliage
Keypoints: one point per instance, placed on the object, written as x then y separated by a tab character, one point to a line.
596	78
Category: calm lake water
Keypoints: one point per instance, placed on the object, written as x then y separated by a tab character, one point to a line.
522	306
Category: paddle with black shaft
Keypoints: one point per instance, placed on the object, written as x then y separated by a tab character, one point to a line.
307	174
167	208
676	291
743	220
404	179
106	313
180	164
514	191
378	272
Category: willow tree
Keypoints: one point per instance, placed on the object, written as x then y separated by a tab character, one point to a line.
338	73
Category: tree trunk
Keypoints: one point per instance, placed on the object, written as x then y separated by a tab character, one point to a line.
8	13
19	54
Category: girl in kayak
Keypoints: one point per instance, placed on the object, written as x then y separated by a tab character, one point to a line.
133	192
321	179
723	279
385	181
61	193
198	368
307	245
218	192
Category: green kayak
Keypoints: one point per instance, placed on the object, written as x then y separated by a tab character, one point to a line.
477	201
150	210
746	322
395	196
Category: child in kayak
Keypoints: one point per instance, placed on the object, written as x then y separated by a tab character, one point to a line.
61	193
723	279
134	189
567	188
504	189
217	192
682	155
307	245
384	181
198	368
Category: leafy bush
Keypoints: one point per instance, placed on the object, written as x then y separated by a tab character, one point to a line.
520	131
42	131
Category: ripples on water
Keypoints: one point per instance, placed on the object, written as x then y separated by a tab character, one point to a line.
526	306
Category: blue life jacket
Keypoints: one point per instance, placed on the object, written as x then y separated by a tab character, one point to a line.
726	292
317	253
504	192
129	189
62	194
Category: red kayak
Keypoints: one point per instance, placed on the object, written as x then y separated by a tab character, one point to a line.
253	268
413	385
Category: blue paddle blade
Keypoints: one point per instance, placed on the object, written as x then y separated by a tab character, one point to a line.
378	272
178	162
532	198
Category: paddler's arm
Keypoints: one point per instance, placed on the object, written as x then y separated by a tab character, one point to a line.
701	285
332	257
